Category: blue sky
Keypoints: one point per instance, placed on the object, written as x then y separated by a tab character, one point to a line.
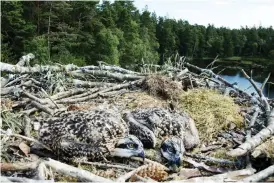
228	13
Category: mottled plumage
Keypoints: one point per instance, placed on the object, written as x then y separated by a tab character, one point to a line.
175	131
161	123
94	134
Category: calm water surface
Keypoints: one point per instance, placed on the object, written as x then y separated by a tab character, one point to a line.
235	75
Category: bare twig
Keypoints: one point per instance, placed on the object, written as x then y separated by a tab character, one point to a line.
105	165
259	91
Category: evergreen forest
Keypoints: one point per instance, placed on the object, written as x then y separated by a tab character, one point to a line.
118	33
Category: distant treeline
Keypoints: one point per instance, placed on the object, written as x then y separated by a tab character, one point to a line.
117	33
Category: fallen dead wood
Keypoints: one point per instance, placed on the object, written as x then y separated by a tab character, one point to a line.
74	172
260	175
256	140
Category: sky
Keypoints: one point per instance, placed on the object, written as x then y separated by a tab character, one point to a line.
227	13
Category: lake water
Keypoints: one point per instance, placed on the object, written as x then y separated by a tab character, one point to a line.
235	75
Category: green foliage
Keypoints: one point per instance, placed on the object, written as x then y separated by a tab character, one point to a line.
117	33
271	54
38	46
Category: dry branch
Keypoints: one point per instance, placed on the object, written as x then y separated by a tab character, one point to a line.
212	74
260	176
100	73
88	84
255	140
9	68
204	166
74	172
69	93
259	91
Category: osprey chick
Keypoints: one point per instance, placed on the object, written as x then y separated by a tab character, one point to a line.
175	131
94	134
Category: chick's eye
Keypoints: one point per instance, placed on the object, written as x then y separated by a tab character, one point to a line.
170	149
131	146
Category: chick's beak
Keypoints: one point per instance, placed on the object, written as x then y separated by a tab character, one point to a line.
174	165
142	155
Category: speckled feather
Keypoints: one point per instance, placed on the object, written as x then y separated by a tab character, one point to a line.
91	134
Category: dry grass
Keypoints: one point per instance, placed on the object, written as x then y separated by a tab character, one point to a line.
211	111
163	87
136	100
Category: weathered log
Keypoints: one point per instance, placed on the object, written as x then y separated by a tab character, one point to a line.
9	68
